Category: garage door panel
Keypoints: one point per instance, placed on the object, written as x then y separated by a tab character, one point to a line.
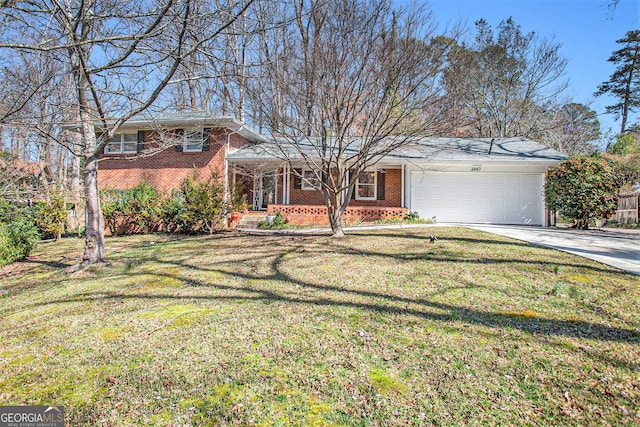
477	197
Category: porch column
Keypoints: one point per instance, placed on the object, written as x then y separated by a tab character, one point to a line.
402	186
275	189
286	191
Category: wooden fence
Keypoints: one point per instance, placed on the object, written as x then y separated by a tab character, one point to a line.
627	208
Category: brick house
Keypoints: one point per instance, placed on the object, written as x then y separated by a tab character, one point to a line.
166	150
453	179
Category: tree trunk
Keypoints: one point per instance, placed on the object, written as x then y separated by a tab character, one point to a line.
74	179
336	225
583	223
335	210
627	96
94	235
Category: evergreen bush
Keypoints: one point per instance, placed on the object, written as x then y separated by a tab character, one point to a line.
18	232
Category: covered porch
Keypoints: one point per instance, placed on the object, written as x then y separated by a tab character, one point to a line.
276	187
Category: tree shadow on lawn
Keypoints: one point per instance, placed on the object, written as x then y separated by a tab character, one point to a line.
294	243
377	302
537	327
427	232
456	258
341	296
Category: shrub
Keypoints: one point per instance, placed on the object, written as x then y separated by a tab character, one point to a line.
136	210
196	207
17	240
238	201
412	217
10	212
278	221
583	188
112	204
203	203
143	207
18	232
624	145
50	216
171	214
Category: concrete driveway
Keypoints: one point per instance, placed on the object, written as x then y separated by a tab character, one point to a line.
618	248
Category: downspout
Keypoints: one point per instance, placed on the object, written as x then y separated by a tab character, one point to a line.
225	196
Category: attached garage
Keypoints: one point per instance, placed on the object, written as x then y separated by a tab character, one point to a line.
477	197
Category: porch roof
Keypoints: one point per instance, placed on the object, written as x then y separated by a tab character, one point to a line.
416	150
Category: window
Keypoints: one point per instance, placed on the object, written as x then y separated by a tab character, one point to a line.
310	181
193	141
366	186
122	143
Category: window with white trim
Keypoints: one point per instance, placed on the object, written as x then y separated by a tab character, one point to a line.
193	141
122	143
366	186
310	181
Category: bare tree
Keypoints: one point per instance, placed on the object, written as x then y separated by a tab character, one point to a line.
222	71
120	55
19	180
348	82
571	129
19	85
504	83
39	118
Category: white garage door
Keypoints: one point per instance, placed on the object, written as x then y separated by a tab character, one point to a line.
478	197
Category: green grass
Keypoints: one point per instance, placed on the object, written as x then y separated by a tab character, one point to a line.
379	328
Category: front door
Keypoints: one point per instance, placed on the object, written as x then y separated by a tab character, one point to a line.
265	192
268	191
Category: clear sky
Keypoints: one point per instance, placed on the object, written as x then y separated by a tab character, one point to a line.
586	29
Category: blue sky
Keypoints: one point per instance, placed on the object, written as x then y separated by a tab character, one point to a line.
586	29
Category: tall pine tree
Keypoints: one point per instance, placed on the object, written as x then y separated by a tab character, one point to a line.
624	83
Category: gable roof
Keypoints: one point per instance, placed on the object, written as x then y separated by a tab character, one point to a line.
416	150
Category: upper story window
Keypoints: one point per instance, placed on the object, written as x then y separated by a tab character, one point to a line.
122	143
366	186
193	141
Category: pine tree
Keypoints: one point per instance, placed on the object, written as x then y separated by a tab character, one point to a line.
624	83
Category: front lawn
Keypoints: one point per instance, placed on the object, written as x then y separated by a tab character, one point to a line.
379	328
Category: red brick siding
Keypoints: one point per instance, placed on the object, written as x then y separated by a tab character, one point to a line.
164	170
305	215
392	189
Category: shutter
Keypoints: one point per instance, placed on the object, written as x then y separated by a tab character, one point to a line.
206	141
179	134
380	185
297	181
355	186
140	145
